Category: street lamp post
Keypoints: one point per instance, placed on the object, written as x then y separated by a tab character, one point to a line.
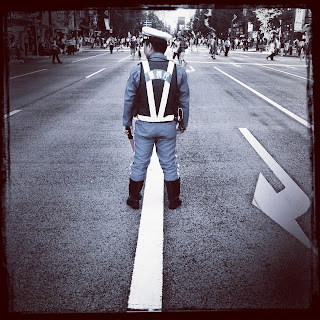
36	36
75	27
231	31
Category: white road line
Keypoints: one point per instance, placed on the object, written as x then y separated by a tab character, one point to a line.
278	106
124	58
240	63
90	75
11	114
236	65
26	74
191	69
291	74
146	283
90	57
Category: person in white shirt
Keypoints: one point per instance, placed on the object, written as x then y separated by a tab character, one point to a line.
272	50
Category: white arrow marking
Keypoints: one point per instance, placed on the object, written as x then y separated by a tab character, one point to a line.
146	283
282	207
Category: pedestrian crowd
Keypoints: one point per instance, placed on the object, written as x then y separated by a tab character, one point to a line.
63	44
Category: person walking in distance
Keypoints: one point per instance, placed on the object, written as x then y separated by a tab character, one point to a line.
213	47
55	52
227	47
111	44
155	91
272	49
176	46
182	50
133	46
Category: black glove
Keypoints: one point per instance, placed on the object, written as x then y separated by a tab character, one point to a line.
181	129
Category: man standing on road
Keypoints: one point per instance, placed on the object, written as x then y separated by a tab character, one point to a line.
111	44
155	90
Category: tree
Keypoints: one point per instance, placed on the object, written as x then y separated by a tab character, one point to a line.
198	22
221	20
267	18
124	21
156	22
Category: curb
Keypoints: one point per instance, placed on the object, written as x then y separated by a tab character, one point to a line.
29	59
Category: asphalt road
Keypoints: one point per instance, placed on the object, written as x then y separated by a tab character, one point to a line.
71	238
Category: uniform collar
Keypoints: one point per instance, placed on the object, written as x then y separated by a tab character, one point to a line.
157	56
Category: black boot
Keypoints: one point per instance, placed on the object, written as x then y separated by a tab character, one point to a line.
134	193
173	188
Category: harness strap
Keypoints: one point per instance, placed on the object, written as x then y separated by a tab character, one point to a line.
167	118
149	76
165	91
152	104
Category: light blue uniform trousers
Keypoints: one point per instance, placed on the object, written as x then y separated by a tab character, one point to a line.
163	135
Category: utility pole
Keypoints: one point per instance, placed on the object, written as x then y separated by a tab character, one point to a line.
231	32
50	26
245	26
36	36
75	27
293	21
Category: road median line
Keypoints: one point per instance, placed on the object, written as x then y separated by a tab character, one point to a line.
146	283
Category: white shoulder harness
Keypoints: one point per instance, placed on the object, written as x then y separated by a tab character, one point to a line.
149	76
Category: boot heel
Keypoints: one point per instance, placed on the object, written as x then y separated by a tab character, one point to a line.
133	203
134	194
173	188
175	203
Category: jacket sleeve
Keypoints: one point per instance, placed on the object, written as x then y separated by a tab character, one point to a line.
184	94
129	95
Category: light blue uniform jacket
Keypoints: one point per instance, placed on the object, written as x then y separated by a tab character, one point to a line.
133	85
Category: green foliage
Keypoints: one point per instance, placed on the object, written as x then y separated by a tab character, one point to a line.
198	22
124	21
269	19
221	20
